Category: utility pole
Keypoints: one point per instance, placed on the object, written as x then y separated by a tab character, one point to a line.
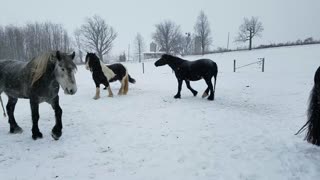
228	41
128	52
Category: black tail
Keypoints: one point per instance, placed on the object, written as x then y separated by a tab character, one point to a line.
313	123
313	134
131	80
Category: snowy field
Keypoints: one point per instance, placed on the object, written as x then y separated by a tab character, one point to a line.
247	133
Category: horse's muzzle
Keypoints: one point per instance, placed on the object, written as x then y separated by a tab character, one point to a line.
71	91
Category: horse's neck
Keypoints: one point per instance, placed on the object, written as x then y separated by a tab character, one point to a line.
107	71
176	64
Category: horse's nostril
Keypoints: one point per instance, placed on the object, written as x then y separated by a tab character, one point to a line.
71	91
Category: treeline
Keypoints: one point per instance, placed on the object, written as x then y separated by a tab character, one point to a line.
28	41
299	42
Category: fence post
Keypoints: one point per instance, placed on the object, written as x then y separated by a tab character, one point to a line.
234	65
263	64
143	68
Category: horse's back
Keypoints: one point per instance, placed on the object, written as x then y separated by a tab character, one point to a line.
12	76
204	65
118	69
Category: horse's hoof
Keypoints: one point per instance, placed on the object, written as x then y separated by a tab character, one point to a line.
110	95
96	97
56	136
37	135
177	96
16	130
210	98
204	95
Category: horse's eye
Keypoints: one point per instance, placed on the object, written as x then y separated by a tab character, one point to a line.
62	69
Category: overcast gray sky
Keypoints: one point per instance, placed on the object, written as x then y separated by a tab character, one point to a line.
283	20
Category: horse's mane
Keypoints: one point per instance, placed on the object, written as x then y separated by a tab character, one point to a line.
168	56
39	66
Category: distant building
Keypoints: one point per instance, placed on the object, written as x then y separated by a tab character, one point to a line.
153	47
152	55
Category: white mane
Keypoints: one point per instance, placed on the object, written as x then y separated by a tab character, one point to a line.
107	71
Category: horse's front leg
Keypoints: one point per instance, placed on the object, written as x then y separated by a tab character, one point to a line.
34	103
178	95
57	129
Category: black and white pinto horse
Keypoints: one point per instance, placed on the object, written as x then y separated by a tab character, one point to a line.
191	71
313	122
103	74
38	80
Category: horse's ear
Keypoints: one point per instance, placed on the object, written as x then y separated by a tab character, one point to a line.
73	55
58	55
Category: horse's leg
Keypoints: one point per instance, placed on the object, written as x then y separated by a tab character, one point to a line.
97	95
56	131
34	103
126	85
209	83
121	90
178	95
97	83
206	92
194	92
110	92
14	127
107	84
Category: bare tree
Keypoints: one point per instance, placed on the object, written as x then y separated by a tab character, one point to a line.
32	39
249	29
140	46
78	44
169	37
187	44
203	31
98	35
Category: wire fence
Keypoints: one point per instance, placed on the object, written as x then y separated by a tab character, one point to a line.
260	61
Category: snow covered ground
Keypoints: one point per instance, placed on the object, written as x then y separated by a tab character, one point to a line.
246	133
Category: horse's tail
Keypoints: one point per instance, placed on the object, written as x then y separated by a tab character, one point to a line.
4	111
215	74
131	80
313	123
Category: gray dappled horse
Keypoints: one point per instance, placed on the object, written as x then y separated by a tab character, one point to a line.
39	81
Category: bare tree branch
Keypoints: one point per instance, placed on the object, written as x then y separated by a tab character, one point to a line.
97	35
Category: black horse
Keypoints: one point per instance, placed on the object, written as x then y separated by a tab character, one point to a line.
39	81
191	71
313	122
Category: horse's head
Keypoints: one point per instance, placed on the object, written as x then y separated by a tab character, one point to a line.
64	71
163	60
92	61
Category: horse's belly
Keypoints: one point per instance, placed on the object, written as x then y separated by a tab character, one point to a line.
16	94
194	78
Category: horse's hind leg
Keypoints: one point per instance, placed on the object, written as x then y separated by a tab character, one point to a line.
194	92
126	85
210	86
14	127
121	90
57	129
